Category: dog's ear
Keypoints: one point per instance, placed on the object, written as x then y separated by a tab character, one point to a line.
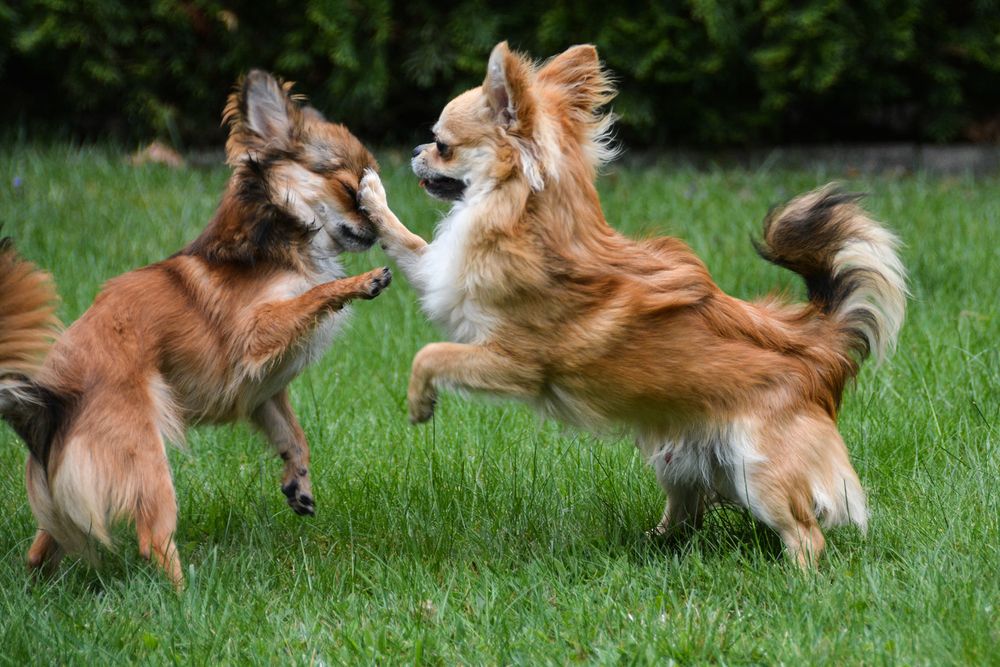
577	72
261	113
269	110
507	89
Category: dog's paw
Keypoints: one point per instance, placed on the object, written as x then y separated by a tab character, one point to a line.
377	281
657	532
422	407
299	498
371	196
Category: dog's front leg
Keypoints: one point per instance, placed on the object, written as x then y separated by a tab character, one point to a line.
276	326
402	245
278	423
469	367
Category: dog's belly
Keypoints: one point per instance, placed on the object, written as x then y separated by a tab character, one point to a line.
563	405
708	456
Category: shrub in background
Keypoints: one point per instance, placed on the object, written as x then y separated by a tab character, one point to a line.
691	72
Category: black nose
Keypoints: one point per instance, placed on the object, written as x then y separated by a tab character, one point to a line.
418	150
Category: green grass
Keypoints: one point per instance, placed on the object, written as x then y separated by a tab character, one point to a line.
492	537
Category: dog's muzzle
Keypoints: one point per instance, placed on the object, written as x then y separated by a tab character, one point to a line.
436	185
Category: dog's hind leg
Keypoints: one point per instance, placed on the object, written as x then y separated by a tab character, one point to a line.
114	468
277	421
686	497
156	511
805	476
789	512
684	512
45	553
780	497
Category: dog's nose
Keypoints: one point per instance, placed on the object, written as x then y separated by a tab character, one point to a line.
418	150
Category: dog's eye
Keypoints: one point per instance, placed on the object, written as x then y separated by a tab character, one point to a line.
443	148
351	192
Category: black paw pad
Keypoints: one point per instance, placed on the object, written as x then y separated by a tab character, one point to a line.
380	282
303	505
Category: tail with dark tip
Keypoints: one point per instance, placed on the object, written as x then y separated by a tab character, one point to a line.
28	325
849	262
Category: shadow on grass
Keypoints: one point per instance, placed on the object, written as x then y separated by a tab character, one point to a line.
727	531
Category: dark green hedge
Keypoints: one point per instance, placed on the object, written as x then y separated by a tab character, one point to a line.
691	72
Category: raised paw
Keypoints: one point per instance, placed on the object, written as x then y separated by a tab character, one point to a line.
422	407
299	498
377	281
371	196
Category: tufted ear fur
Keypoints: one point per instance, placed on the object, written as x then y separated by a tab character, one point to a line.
261	114
577	72
508	90
576	82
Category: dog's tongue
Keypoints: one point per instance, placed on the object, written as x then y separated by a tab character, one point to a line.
423	182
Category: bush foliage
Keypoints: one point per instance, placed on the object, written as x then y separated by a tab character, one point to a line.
691	72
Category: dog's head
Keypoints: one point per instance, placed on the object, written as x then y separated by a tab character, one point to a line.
525	122
306	166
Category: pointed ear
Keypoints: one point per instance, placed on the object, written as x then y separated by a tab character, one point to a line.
270	112
507	89
261	112
577	70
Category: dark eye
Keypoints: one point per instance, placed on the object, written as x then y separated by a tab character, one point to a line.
443	148
351	192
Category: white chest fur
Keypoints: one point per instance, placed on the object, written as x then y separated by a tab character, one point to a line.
449	280
315	344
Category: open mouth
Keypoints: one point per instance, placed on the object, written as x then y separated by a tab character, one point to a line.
443	187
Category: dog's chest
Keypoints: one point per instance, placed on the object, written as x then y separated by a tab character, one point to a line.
311	347
450	279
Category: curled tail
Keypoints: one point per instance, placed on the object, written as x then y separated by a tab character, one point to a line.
28	325
849	262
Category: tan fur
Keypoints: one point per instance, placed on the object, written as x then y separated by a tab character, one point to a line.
548	304
27	310
213	334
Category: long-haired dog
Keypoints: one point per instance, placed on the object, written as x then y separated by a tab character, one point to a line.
548	304
213	334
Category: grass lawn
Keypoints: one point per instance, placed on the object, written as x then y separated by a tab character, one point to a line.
490	536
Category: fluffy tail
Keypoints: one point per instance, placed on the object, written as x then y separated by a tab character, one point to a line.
849	263
28	326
